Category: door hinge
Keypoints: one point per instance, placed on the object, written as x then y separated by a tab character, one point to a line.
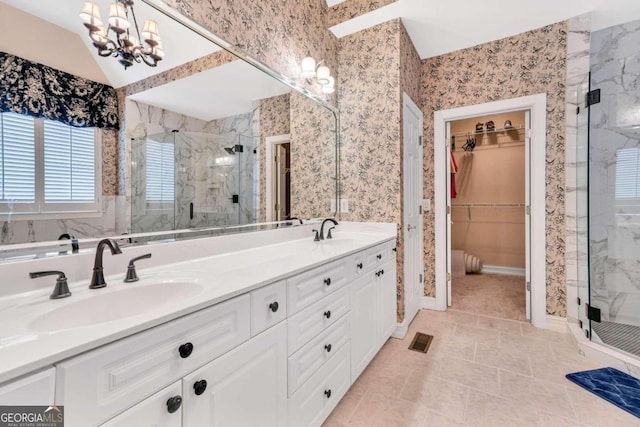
277	206
420	140
528	286
579	301
448	277
527	210
448	209
420	210
421	278
578	110
277	159
580	323
593	313
592	97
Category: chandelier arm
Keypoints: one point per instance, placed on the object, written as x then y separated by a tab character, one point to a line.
135	23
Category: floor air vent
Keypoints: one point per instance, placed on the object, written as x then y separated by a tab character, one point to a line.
421	342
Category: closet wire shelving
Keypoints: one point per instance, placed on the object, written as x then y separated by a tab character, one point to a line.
472	134
485	205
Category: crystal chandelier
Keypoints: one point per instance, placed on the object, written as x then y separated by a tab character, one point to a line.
125	45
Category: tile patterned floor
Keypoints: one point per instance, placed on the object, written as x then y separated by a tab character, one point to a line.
479	371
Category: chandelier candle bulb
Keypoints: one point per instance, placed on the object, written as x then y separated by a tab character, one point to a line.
322	74
308	65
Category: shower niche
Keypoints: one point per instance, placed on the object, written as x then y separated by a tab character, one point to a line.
183	180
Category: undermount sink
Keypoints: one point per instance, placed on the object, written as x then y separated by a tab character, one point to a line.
109	306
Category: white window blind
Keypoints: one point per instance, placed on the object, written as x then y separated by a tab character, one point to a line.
160	173
628	173
46	166
69	163
17	160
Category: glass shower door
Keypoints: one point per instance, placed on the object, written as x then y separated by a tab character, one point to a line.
582	206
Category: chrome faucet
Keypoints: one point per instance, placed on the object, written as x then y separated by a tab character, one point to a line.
97	280
329	232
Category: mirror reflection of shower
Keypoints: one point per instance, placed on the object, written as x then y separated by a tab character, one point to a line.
183	179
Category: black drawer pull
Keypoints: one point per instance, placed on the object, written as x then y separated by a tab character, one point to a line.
359	265
327	314
199	387
327	281
377	273
381	271
395	249
327	393
274	306
379	256
185	350
173	404
328	348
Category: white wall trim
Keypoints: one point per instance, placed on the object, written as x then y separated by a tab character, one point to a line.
401	330
537	104
557	324
430	304
270	142
497	269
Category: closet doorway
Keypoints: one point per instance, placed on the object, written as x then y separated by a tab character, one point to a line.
487	199
499	208
278	182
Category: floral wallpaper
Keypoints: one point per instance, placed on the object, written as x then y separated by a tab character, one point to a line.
350	9
274	114
525	64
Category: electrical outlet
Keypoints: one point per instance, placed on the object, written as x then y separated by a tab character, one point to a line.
344	205
426	205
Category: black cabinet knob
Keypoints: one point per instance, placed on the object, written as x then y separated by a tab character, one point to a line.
381	271
327	393
173	404
379	256
274	306
327	314
327	281
377	273
199	387
328	348
185	350
359	265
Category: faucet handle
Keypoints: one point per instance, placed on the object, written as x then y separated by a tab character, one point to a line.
131	268
61	290
317	238
329	236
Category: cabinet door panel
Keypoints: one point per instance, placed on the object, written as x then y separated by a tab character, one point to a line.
387	301
364	329
34	389
268	306
311	286
245	387
151	412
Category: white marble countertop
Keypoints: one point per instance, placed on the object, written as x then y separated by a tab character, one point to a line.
28	342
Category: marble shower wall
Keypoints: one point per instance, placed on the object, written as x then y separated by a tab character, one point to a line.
524	64
614	225
206	174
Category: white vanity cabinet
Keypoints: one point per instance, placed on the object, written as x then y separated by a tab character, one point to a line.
373	305
245	387
32	390
163	409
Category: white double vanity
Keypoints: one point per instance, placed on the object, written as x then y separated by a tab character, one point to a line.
267	328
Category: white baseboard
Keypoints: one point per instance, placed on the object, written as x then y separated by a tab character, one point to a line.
401	330
496	269
557	324
429	303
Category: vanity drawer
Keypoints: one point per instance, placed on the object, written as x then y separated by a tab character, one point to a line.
311	321
314	401
306	361
376	256
310	286
101	383
268	306
153	411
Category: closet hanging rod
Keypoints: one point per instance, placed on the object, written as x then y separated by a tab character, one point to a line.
489	205
501	130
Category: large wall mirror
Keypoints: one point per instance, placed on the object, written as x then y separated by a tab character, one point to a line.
206	139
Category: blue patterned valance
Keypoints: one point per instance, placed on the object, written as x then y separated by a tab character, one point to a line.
37	90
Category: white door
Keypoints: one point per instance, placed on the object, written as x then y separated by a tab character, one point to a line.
447	161
281	182
245	387
273	144
413	223
527	214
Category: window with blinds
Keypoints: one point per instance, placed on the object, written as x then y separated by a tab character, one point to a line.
160	158
46	166
628	173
